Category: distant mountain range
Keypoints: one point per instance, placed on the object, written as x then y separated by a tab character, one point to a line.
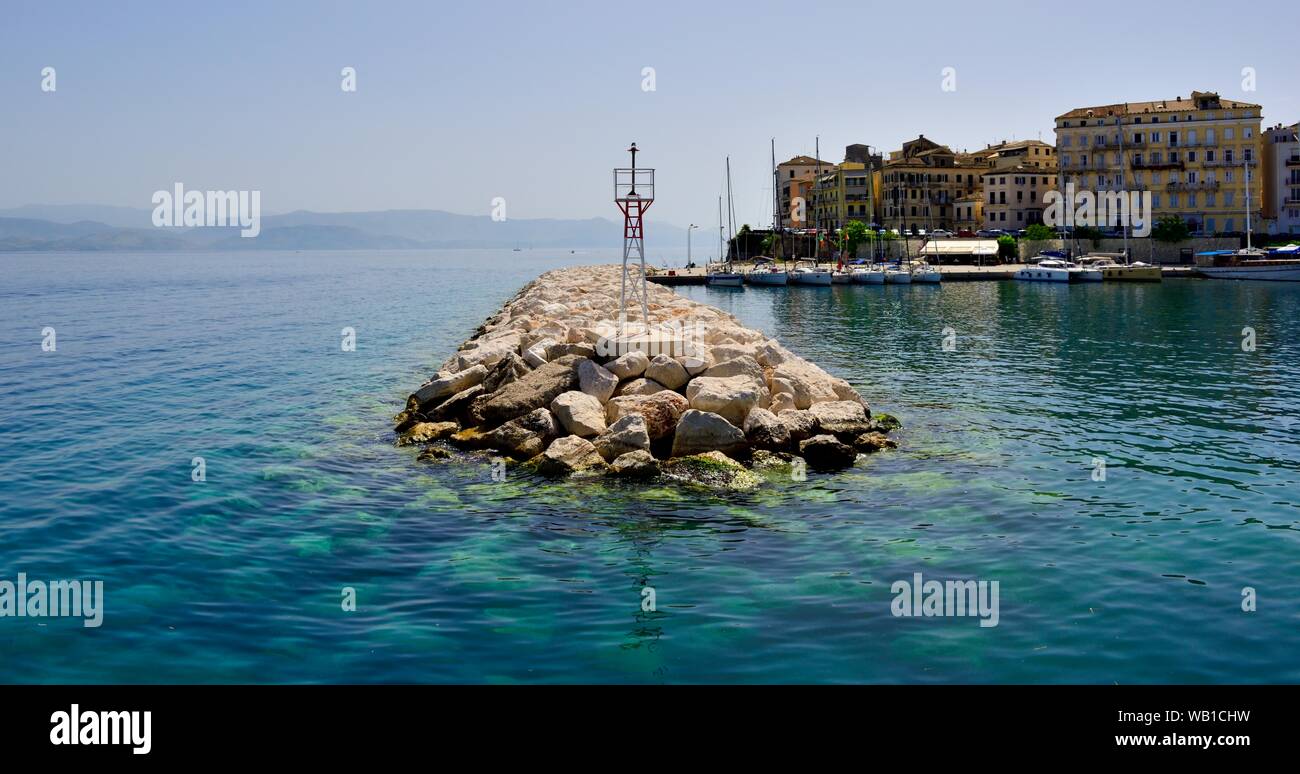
96	227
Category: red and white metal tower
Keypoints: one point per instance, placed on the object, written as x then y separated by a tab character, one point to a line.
634	192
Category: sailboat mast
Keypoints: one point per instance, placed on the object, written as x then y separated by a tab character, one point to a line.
1123	182
1245	165
776	202
731	210
721	257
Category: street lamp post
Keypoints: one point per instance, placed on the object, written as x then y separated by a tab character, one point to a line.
689	262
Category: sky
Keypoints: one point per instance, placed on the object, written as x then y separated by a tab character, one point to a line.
459	103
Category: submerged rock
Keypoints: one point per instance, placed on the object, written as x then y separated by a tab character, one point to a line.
826	452
886	423
712	469
426	432
873	442
430	453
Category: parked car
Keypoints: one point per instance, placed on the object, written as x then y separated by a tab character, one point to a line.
941	233
966	233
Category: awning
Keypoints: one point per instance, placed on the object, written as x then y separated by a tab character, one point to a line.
954	247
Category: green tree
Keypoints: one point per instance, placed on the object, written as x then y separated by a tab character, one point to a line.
1038	232
1007	247
1171	228
855	233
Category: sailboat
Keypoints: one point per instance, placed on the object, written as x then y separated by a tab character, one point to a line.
765	271
1250	262
721	275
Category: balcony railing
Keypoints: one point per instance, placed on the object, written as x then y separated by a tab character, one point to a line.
1226	163
1294	161
1148	164
1204	185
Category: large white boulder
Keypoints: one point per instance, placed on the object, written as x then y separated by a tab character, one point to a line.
579	413
666	371
596	381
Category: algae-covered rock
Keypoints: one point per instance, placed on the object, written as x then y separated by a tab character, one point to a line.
873	442
635	464
712	469
426	432
886	423
826	452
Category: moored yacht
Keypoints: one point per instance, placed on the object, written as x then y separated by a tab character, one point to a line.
1050	270
869	275
898	274
924	273
1105	266
807	273
765	272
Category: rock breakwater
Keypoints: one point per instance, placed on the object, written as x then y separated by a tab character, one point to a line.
550	381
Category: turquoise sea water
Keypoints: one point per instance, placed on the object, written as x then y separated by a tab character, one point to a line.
236	358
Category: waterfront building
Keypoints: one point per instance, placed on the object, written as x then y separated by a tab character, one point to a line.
1013	196
970	212
1280	163
920	184
1192	154
845	192
795	178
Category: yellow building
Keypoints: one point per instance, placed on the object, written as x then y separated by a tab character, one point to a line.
841	195
1191	154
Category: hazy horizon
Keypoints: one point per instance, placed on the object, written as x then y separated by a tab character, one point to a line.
455	106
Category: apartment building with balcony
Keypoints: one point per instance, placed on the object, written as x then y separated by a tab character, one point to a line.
1193	154
1013	196
795	178
918	186
844	192
1280	162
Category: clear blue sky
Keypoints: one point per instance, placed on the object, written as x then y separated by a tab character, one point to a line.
460	102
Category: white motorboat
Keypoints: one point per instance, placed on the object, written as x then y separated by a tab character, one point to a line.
766	273
806	274
872	275
1050	270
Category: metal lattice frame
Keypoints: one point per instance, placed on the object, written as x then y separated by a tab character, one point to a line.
634	193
